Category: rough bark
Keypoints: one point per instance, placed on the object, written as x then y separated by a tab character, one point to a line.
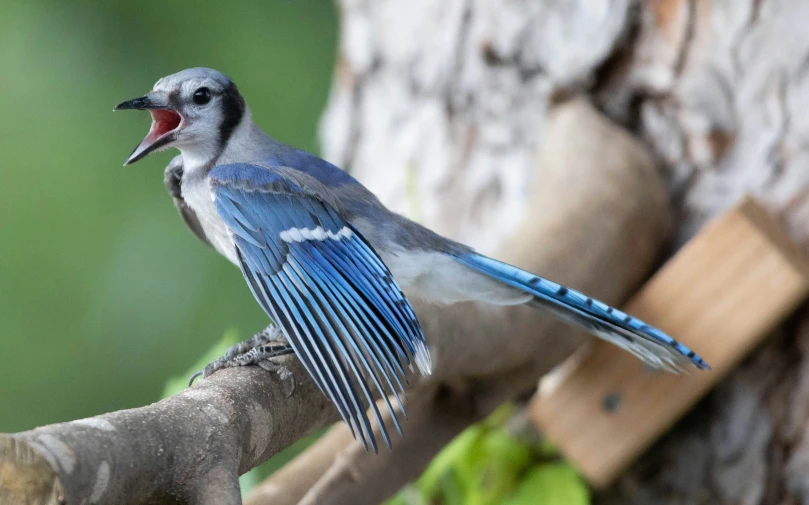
444	103
190	448
718	90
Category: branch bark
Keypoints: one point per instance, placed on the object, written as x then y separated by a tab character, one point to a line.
189	448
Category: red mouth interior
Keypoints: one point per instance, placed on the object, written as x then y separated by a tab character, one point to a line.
163	121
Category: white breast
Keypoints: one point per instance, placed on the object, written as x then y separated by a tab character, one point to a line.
198	195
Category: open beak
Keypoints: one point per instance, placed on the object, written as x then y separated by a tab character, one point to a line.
166	122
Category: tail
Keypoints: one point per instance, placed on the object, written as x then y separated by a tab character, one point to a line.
646	342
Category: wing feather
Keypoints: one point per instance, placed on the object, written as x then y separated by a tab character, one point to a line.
367	293
359	336
361	313
318	278
330	319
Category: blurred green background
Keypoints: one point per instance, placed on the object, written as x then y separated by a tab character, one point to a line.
103	292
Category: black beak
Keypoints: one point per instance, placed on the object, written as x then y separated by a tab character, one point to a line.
165	124
143	103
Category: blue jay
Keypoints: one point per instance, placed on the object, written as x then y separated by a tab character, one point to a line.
329	264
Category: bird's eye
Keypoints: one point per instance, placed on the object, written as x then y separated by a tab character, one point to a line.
202	96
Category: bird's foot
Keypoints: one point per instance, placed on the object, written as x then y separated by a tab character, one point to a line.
256	350
271	333
284	373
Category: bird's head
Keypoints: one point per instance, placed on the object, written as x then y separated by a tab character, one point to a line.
195	110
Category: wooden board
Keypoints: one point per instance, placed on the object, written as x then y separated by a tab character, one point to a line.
720	295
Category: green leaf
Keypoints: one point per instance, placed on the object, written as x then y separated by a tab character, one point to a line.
506	450
486	465
547	450
505	460
456	451
481	466
551	484
500	416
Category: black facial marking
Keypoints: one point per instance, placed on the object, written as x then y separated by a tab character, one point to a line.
174	100
232	111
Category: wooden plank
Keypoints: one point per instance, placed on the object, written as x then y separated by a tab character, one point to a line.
720	295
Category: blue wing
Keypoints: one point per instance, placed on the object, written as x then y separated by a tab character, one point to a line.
323	284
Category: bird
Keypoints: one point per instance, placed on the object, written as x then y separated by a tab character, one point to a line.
332	267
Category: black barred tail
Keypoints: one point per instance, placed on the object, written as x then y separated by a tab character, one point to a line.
644	341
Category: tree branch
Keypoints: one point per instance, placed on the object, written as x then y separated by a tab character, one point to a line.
189	448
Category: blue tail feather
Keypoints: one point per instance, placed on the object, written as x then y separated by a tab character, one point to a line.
647	342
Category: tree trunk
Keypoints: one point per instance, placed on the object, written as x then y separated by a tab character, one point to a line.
440	108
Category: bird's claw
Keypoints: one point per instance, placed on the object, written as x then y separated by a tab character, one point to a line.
253	351
194	377
284	373
213	366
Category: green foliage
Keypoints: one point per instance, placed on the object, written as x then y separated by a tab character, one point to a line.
550	484
486	465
